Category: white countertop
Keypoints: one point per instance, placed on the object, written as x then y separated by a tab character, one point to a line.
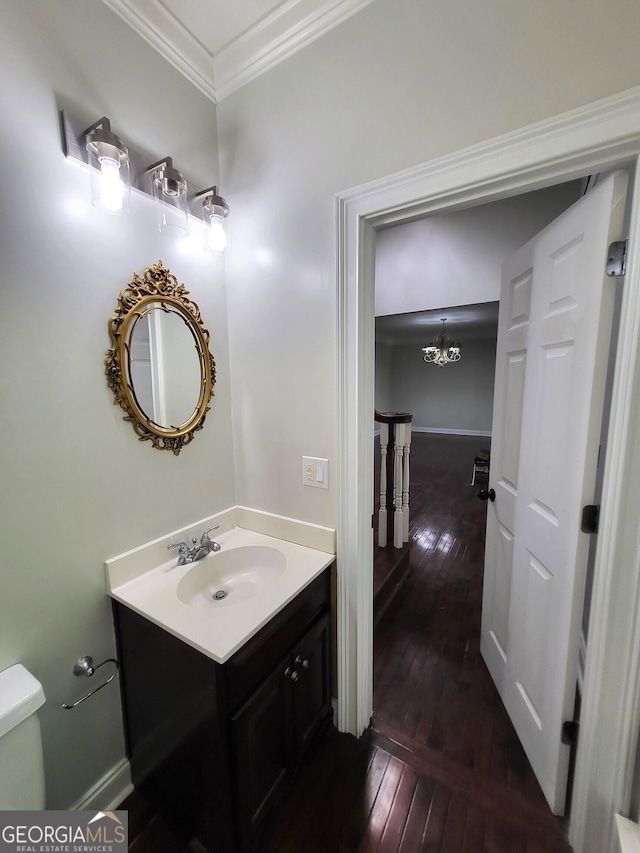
217	632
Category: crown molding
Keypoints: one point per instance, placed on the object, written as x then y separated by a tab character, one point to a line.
290	27
159	28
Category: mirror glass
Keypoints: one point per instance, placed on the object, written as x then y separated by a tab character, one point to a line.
159	366
164	366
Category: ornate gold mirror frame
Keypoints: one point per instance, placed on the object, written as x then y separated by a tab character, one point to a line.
156	290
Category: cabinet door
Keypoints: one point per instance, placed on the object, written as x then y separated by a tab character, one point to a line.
262	751
312	688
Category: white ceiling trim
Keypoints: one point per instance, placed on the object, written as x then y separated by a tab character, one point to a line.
159	28
290	27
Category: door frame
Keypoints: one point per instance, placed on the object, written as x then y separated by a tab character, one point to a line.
590	139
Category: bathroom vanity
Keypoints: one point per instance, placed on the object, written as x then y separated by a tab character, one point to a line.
214	738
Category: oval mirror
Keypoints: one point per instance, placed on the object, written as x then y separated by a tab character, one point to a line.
164	366
159	367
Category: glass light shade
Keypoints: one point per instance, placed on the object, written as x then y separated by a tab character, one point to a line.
169	190
109	171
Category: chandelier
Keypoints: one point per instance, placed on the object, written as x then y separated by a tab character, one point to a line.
441	351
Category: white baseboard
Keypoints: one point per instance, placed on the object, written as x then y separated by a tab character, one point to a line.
109	791
437	431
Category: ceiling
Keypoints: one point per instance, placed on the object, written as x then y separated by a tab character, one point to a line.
464	323
217	23
220	45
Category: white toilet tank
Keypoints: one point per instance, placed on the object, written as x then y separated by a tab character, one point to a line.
21	764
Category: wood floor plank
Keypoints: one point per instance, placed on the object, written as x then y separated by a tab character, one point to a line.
474	830
382	807
436	820
411	841
531	819
346	803
399	814
453	838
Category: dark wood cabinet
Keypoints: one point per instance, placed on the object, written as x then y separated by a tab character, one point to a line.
261	754
311	690
271	731
212	745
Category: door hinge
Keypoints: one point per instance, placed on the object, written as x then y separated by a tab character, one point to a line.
617	258
570	732
590	518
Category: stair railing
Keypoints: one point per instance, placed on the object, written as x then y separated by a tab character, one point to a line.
395	446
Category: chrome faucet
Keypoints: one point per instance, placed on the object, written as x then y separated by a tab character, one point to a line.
207	545
188	555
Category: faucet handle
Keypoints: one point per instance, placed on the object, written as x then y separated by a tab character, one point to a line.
184	548
205	536
185	554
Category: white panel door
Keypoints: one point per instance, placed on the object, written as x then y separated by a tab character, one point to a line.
511	364
553	342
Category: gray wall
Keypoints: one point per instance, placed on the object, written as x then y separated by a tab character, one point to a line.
456	258
454	398
444	261
383	374
397	84
77	485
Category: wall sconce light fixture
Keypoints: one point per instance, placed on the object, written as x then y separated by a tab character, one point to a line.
109	167
215	213
169	189
114	169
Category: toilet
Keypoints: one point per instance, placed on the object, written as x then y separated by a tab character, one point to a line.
21	764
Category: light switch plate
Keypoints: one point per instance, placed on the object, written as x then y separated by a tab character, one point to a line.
315	472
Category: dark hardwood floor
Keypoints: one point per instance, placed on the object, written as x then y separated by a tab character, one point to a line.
441	769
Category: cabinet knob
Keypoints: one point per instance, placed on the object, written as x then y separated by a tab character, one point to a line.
291	673
303	663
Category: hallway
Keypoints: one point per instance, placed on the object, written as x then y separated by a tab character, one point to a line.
442	768
433	694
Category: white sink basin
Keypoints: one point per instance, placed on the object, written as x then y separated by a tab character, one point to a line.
260	572
231	576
